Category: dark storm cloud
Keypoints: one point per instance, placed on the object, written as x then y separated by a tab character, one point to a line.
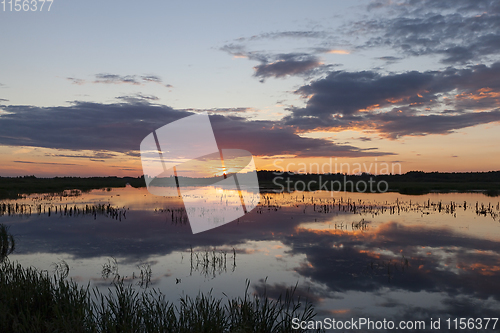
267	138
410	103
137	98
280	65
395	126
346	93
121	127
459	31
285	65
116	127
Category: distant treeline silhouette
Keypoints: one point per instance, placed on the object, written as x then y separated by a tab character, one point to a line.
12	187
413	182
411	176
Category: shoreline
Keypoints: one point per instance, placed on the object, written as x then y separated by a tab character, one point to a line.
414	183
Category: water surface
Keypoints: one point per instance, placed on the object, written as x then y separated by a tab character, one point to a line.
352	254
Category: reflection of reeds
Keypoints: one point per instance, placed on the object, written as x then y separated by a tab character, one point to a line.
361	225
7	242
145	275
274	202
110	268
389	267
210	262
259	313
33	301
177	216
61	269
75	210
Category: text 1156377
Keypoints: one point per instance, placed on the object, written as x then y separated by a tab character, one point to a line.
26	5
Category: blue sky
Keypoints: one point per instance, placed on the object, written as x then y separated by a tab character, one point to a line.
404	81
181	43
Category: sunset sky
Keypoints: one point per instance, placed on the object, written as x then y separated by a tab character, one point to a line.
415	83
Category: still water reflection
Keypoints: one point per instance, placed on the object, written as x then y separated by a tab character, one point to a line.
354	255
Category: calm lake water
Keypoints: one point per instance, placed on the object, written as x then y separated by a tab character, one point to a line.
353	255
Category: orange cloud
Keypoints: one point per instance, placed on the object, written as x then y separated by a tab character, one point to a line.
339	51
480	268
479	94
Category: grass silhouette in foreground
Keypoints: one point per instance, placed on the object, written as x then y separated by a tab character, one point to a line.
35	301
7	242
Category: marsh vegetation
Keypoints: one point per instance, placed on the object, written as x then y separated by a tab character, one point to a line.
34	301
148	271
38	301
